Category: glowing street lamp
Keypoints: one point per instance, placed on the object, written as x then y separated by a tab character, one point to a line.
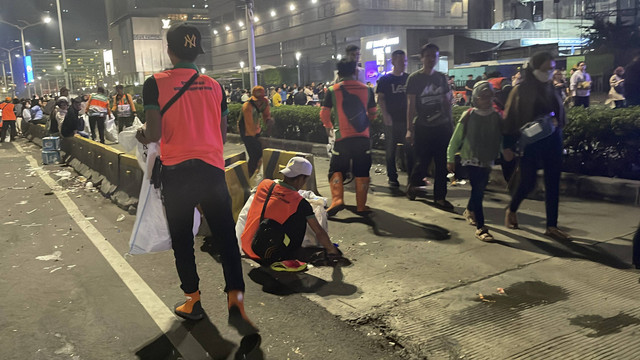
242	72
298	55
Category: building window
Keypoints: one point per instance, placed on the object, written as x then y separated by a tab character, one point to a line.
326	10
440	10
417	5
380	4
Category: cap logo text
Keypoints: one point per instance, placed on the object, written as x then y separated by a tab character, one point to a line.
190	41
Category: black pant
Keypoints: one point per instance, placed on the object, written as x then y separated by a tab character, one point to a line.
394	135
619	104
123	122
6	125
549	152
354	151
183	187
99	120
431	143
636	248
479	178
581	101
254	151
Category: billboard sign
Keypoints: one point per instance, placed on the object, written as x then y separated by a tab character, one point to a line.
28	69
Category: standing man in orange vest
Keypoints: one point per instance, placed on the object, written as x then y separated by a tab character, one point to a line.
254	112
187	112
123	107
8	119
98	110
351	106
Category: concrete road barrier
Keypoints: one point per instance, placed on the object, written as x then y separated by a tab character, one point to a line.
237	177
274	160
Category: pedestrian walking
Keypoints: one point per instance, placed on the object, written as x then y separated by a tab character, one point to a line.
478	138
348	109
581	85
191	127
615	98
534	118
98	110
429	124
468	87
123	107
256	114
392	100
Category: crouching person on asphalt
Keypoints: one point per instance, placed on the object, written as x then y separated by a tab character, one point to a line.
348	108
277	221
191	123
72	123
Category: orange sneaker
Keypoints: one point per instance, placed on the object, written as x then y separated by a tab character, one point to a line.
191	309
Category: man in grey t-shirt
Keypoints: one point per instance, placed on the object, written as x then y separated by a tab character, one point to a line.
429	124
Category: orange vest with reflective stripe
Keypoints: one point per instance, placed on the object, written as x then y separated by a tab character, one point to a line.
191	126
7	112
282	204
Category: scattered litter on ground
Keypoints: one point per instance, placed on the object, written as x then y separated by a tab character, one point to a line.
63	174
32	211
88	185
56	269
20	187
483	299
10	222
32	225
22	202
89	218
501	291
49	193
362	243
121	217
56	256
70	267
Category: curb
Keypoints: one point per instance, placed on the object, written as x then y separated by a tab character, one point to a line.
98	164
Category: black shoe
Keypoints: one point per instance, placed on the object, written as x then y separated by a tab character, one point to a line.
444	205
411	192
197	312
394	183
249	345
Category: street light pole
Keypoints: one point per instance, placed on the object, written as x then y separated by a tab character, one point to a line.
251	40
242	72
298	55
64	54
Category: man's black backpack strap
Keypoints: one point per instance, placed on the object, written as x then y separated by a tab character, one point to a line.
266	200
179	93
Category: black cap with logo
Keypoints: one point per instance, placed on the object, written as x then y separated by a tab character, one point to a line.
184	41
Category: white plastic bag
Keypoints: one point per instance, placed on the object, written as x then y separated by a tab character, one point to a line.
87	125
136	123
110	129
127	137
150	230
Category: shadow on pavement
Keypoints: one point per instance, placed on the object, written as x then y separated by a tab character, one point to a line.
562	249
284	283
209	338
386	224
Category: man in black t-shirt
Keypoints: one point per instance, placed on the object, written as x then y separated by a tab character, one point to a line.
468	86
429	124
392	100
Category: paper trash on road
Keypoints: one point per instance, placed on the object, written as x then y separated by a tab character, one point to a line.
56	256
121	217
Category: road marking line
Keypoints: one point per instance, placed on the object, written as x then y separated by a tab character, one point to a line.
186	344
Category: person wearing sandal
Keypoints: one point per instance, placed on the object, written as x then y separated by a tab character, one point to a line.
534	105
477	138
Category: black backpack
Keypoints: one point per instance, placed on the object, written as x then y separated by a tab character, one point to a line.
354	110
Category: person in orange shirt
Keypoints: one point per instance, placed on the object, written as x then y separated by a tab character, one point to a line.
348	108
8	119
250	127
191	123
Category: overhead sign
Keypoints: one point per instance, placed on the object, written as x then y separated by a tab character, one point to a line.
382	43
562	42
28	69
107	56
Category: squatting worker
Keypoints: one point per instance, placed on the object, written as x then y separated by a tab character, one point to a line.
255	111
288	208
346	102
192	133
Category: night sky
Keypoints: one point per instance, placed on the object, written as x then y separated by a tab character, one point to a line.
84	19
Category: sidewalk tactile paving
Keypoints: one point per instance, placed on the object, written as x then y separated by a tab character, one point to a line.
533	320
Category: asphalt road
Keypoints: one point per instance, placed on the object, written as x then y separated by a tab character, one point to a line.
421	286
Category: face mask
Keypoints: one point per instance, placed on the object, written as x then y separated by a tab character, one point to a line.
543	76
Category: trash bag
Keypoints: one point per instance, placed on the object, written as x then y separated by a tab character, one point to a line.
136	123
151	230
110	129
87	125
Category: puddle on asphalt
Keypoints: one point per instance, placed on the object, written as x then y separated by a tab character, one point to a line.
604	326
516	298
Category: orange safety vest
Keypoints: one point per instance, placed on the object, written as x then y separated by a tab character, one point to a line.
7	112
335	115
191	126
282	204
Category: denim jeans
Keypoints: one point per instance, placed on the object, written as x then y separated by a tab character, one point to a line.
394	135
479	178
431	143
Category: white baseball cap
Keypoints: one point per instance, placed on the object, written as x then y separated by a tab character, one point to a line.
297	166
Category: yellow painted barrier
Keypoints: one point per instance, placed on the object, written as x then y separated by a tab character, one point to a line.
274	160
237	177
